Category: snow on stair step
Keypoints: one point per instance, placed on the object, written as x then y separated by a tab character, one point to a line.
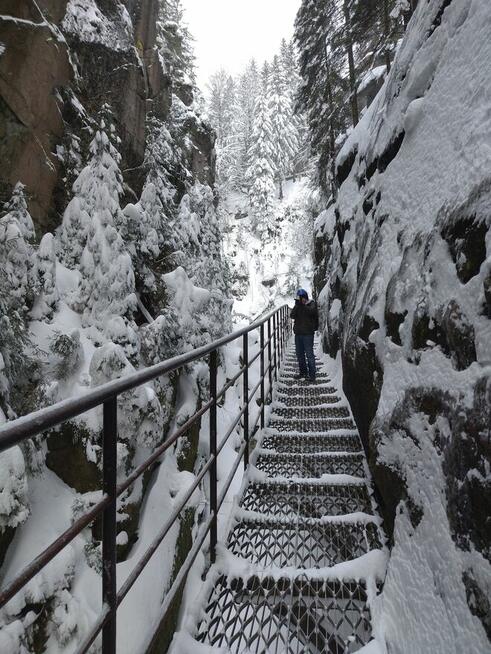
302	544
292	499
281	442
298	400
310	413
286	615
313	425
310	465
300	386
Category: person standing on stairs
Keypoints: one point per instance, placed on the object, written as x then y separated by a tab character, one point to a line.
305	323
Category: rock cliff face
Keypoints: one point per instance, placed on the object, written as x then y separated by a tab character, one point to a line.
403	265
55	75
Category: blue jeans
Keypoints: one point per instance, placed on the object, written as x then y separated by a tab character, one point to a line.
304	346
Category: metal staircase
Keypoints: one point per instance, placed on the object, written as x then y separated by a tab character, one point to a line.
307	506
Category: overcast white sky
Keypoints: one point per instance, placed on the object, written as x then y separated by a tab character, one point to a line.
229	32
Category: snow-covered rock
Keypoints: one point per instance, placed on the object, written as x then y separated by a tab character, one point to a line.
403	264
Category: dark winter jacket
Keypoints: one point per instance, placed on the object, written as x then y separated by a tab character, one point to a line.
306	318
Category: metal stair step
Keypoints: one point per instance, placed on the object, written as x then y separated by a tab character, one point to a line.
312	425
311	413
314	400
305	386
303	544
287	615
310	465
295	443
293	500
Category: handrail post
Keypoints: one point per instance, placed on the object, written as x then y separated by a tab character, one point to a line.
213	453
261	359
245	395
270	370
282	328
109	527
275	345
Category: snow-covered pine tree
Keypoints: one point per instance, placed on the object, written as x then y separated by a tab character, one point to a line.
222	112
322	93
17	290
17	208
45	273
376	26
175	43
261	171
247	91
221	89
100	183
107	280
149	224
283	125
290	66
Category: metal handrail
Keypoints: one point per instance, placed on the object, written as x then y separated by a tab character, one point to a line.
13	433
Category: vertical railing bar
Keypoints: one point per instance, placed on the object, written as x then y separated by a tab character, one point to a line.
282	332
270	369
275	347
109	468
261	371
245	396
213	453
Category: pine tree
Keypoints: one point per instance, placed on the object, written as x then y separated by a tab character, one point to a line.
17	208
247	93
284	129
321	96
99	184
45	273
17	289
222	110
107	279
261	156
175	43
221	104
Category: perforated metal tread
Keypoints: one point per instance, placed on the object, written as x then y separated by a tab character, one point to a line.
296	387
316	426
310	465
311	413
294	500
313	399
300	384
287	616
288	373
302	544
296	443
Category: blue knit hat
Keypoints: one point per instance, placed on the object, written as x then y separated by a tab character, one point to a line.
302	293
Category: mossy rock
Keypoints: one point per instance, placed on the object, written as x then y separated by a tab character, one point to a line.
165	631
459	335
466	238
487	294
188	447
362	383
67	458
6	537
